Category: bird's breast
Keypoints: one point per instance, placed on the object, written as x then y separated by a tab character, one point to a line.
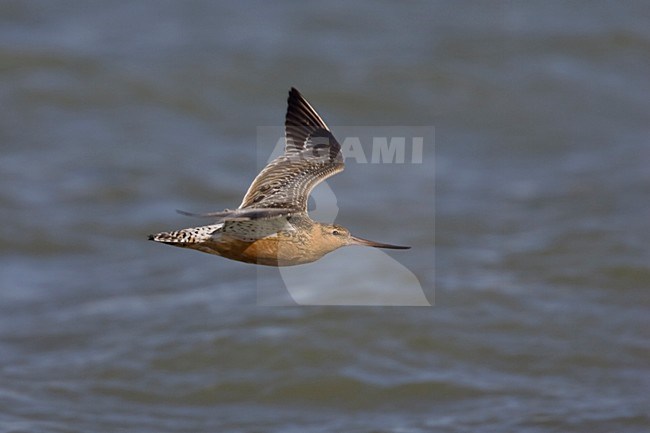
281	249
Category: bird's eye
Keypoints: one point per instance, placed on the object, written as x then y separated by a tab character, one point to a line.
336	233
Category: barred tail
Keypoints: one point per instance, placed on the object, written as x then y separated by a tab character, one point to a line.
191	235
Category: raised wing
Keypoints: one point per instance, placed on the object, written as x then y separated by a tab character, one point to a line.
311	155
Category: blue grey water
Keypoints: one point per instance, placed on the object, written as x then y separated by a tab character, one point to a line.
114	114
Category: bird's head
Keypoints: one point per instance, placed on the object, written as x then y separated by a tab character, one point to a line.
334	236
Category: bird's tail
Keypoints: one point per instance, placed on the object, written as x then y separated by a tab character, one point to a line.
191	235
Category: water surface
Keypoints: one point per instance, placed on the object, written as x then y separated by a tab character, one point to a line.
115	114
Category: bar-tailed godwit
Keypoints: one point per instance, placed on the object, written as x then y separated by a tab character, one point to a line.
271	226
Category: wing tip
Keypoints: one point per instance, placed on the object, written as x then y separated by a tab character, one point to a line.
295	96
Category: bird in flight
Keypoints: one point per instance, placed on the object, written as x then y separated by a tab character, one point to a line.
271	226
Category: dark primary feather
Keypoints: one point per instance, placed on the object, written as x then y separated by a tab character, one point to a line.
300	122
311	155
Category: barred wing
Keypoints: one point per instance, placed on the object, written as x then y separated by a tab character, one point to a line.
311	155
